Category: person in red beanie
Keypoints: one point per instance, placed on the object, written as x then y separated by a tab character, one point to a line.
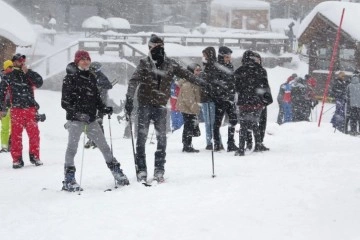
81	101
21	84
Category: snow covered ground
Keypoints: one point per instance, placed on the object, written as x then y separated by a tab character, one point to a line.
306	188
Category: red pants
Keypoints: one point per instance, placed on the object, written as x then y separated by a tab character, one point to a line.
20	119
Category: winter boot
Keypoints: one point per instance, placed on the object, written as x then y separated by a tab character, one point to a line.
249	145
259	147
117	172
4	150
18	164
232	147
70	184
34	160
190	149
159	175
218	147
240	152
209	147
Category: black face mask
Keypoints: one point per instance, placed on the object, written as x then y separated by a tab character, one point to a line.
158	55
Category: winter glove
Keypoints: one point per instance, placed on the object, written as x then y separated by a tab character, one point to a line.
267	98
107	110
82	117
129	105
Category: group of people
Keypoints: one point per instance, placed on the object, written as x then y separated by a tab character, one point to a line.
215	87
296	99
242	94
346	92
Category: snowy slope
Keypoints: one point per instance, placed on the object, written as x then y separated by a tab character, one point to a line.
306	187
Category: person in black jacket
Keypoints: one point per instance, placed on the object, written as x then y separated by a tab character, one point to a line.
81	100
152	81
224	96
253	95
263	118
20	84
210	74
338	91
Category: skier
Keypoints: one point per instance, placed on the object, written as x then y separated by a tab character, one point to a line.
20	83
81	100
153	75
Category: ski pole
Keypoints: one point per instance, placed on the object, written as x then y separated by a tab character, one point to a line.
111	145
212	145
82	158
132	142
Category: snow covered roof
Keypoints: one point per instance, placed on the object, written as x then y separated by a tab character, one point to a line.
118	23
15	26
95	22
332	10
241	4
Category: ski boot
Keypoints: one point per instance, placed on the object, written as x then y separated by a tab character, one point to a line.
70	184
141	176
117	172
159	175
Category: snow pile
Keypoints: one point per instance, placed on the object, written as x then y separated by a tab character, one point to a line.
95	22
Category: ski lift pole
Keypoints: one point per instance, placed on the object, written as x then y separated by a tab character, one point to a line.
336	44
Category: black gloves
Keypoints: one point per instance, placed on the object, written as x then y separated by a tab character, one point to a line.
267	98
82	117
129	105
107	110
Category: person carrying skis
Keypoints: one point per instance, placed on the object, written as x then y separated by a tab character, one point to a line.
20	83
81	101
153	75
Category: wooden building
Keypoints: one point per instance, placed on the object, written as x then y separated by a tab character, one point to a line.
14	33
241	14
317	33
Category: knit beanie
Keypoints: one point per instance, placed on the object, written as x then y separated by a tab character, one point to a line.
81	54
7	64
155	41
224	51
